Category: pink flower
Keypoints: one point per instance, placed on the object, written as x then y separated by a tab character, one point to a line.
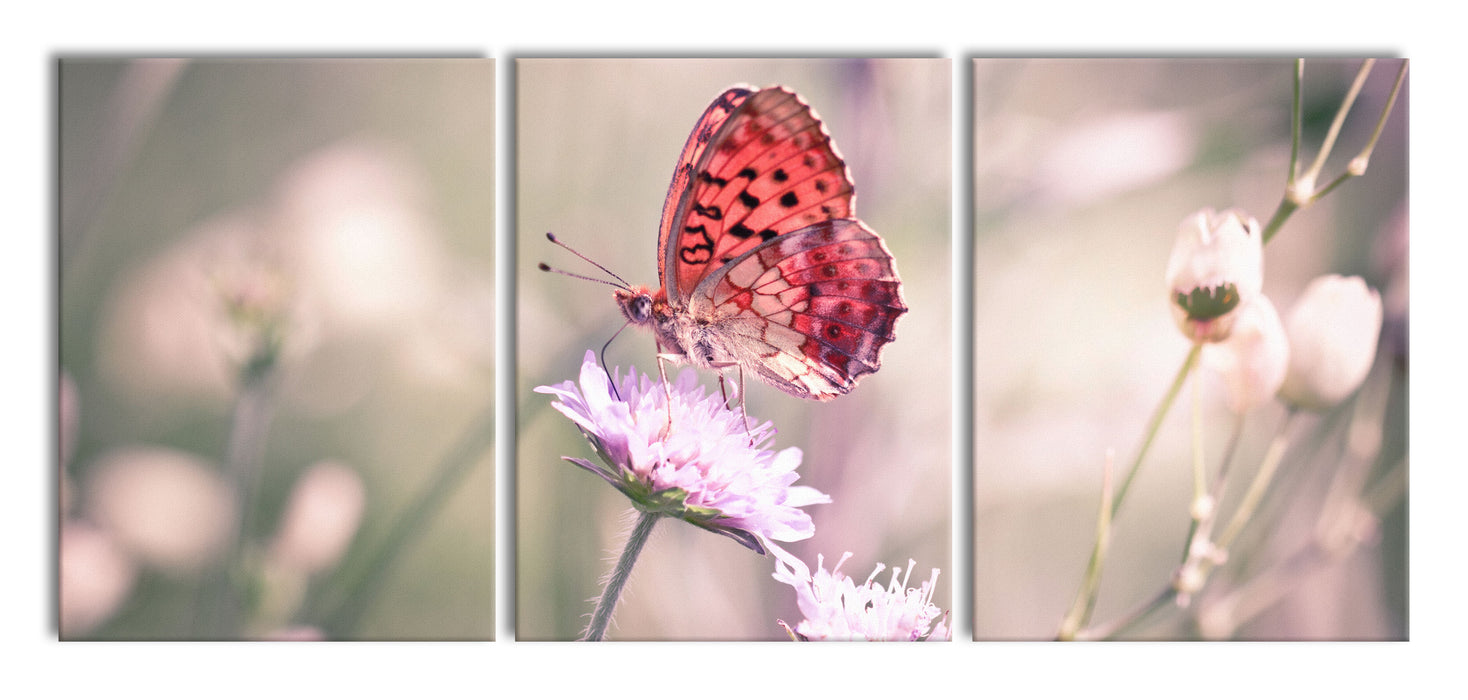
1216	266
1253	360
709	469
835	608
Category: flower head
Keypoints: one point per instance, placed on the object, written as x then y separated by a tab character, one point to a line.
707	468
836	608
1217	265
1333	331
1254	358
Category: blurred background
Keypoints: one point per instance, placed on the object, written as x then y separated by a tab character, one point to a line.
275	301
596	144
1083	171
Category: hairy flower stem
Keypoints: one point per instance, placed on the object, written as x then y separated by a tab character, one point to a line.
602	616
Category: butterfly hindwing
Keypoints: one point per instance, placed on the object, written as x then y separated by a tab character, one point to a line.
813	307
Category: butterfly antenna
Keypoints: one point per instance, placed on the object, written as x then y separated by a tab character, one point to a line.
547	268
552	238
603	356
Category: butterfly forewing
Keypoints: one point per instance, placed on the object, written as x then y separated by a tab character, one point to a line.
679	189
768	169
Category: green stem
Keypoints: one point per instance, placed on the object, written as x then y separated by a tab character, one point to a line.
1220	484
1156	422
222	599
1135	617
1389	490
1357	166
1200	553
1228	453
1295	120
1288	203
1335	125
1301	191
370	571
617	580
1337	182
1085	602
1259	485
1381	121
1200	475
1287	206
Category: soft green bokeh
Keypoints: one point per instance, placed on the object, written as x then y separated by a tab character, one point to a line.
367	185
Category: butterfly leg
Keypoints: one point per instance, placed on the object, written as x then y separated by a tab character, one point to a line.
723	393
663	375
743	414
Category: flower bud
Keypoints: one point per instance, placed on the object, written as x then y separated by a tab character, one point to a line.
1333	331
1254	358
165	507
94	577
1217	265
320	518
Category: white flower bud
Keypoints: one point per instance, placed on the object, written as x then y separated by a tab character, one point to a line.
1333	331
94	577
1217	265
166	507
320	519
1254	358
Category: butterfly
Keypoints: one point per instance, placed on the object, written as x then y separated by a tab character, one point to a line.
763	264
762	261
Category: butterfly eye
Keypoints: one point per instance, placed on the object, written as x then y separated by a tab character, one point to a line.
641	309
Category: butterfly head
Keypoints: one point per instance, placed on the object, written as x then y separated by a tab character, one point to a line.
640	304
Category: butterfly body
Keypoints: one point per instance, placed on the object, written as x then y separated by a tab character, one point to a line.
762	262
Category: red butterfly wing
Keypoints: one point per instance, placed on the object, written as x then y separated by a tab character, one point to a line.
757	165
678	191
814	306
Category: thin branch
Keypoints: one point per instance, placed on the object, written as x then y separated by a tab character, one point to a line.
1085	602
1257	488
1307	182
